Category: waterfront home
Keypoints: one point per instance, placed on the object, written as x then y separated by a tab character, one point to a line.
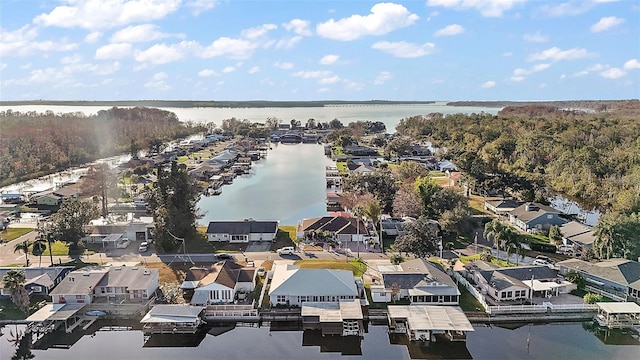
291	285
359	150
447	166
342	318
342	229
428	323
56	197
502	207
420	281
38	280
242	231
334	202
517	283
578	234
223	283
106	284
532	217
618	279
112	230
363	169
394	226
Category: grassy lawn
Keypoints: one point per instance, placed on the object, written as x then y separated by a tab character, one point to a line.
337	151
477	203
342	167
467	301
285	236
58	248
534	238
582	293
437	174
442	181
174	273
467	259
356	267
13	233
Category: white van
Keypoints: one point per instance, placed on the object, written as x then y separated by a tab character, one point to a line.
564	249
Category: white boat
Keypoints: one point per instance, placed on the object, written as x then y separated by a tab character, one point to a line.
95	313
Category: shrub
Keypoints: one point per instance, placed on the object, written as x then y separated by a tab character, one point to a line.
591	298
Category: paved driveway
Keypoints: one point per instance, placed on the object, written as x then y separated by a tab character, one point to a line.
258	246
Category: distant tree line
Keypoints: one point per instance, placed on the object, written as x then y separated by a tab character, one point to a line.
33	144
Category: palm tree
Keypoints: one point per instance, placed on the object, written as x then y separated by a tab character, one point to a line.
14	282
372	211
358	211
513	243
495	230
24	247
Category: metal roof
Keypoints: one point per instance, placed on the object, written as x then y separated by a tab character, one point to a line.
431	317
619	307
333	311
55	312
172	313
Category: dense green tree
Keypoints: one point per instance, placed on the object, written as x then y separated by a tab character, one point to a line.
172	201
100	181
555	236
399	146
24	247
617	235
407	202
421	237
68	223
409	171
497	232
373	211
380	184
335	124
576	278
38	248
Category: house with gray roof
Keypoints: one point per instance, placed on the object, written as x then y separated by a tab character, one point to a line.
502	207
515	283
618	279
420	281
577	233
532	217
242	231
342	229
292	285
38	280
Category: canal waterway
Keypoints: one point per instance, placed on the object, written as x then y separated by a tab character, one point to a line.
546	341
287	186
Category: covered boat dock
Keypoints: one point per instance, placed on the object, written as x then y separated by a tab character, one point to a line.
52	316
618	315
172	319
333	318
424	322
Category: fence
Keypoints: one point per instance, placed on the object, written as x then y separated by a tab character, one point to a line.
620	296
544	308
471	289
230	312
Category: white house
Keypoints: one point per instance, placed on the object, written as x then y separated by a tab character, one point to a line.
342	229
224	283
291	285
242	231
111	230
78	286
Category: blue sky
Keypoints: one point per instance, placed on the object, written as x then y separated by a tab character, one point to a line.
313	50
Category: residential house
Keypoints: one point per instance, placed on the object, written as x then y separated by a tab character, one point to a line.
394	226
363	170
242	231
223	283
358	150
334	202
109	284
56	197
111	230
575	233
618	279
342	229
532	217
291	285
38	280
516	283
447	165
420	281
502	207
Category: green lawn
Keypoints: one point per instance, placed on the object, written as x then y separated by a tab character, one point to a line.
14	233
466	259
467	301
342	167
356	267
58	248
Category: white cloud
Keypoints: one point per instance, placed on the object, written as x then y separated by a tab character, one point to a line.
329	80
606	23
597	67
536	38
382	78
520	73
233	48
106	14
157	82
22	42
207	73
298	26
383	19
138	33
556	54
3	66
113	51
258	31
632	64
488	84
92	37
449	30
228	69
329	59
563	76
507	54
487	8
581	73
159	54
312	74
284	65
613	73
26	66
199	6
159	76
404	49
253	70
288	43
569	8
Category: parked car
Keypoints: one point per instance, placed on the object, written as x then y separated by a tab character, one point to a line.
144	246
224	256
287	250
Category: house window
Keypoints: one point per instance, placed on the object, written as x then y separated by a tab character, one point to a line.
550	216
36	288
503	295
509	294
281	299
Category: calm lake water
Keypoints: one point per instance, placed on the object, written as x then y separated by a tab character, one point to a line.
549	341
287	186
390	115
